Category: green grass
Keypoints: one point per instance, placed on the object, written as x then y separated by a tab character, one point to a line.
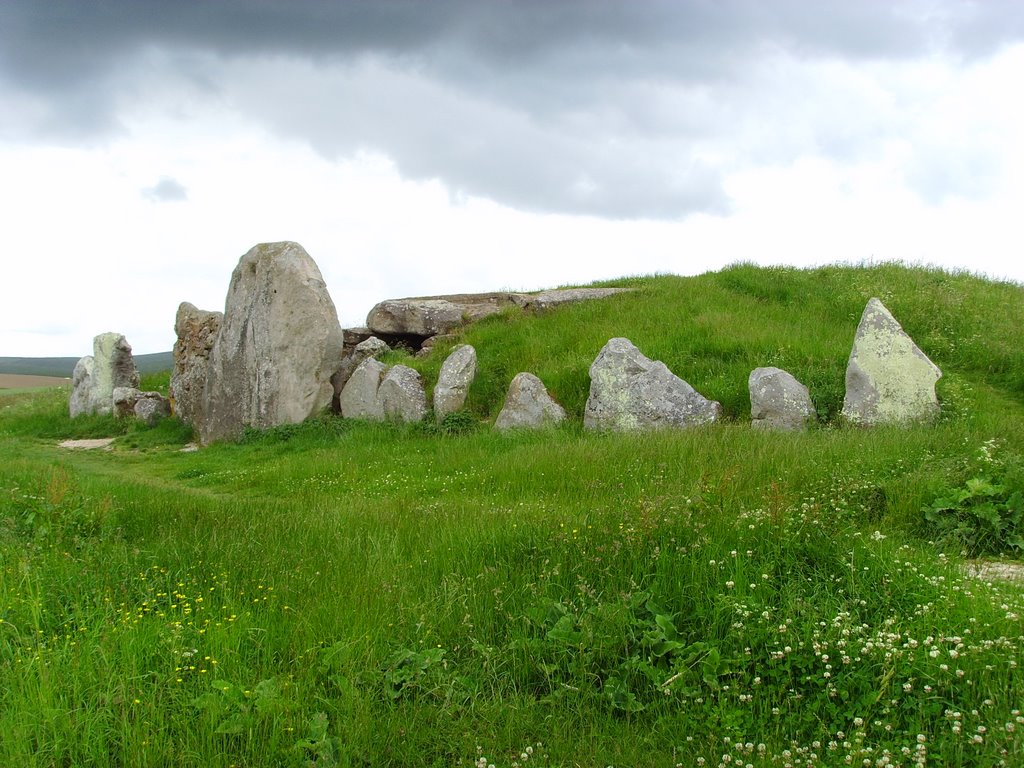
353	594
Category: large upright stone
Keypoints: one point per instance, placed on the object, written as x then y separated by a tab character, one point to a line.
401	395
278	345
196	330
81	387
528	405
630	392
113	366
457	374
778	401
358	400
888	379
93	382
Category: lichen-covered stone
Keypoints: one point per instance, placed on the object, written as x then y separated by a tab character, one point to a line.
278	345
528	405
889	380
95	378
453	382
401	395
631	392
778	401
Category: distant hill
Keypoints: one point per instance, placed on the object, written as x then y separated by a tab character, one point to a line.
64	366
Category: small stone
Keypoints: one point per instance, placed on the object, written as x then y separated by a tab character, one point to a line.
778	401
453	382
401	395
528	405
358	399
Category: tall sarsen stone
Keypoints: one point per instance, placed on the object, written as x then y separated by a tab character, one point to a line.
278	345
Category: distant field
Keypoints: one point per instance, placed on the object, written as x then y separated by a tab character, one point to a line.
64	366
18	381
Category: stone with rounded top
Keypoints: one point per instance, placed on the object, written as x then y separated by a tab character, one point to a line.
528	405
778	401
889	380
278	345
630	392
453	382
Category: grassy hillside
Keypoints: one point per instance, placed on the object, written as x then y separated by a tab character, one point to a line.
65	366
343	593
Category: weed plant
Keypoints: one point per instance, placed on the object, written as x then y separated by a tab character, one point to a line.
357	594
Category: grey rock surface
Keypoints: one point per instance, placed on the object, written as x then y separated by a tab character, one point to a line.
279	344
401	395
81	387
370	347
889	380
150	407
93	383
431	315
528	405
196	330
358	399
628	391
113	366
124	399
454	380
778	401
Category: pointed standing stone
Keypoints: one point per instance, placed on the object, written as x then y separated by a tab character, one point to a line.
888	379
528	405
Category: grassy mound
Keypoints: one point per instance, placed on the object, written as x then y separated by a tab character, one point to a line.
343	593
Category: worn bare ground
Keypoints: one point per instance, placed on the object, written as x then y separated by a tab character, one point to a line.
20	381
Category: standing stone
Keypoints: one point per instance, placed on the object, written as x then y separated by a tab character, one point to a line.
196	330
401	395
888	379
81	387
370	347
778	401
278	345
528	405
113	366
630	392
358	399
457	374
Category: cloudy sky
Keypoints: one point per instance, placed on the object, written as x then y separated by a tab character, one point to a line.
417	147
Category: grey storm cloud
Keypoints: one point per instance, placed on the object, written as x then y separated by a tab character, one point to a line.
580	106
